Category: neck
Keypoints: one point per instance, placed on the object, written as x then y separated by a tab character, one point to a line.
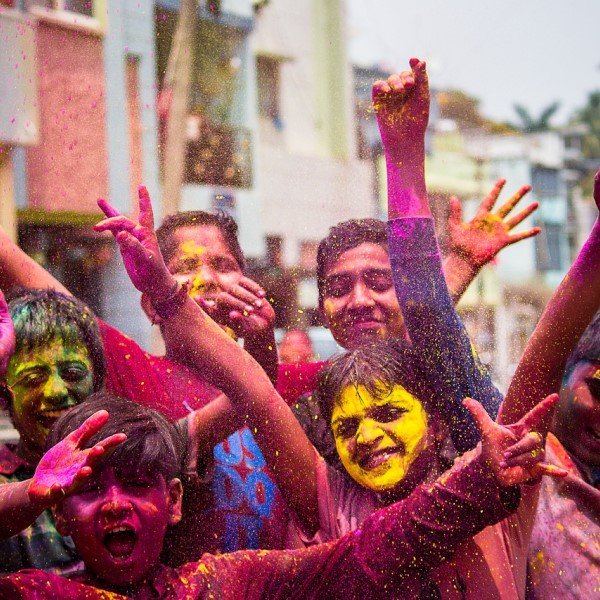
426	469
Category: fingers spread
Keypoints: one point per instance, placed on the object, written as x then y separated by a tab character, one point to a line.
481	418
538	413
115	224
89	427
523	235
521	216
513	201
488	202
146	212
548	469
107	208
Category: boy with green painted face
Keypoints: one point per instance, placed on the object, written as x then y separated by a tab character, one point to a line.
57	362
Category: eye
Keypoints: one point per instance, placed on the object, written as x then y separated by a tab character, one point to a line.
346	428
224	265
387	413
74	373
378	281
338	287
185	266
32	379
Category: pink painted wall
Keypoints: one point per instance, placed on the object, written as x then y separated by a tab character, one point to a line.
69	169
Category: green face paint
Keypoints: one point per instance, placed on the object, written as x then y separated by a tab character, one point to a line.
46	381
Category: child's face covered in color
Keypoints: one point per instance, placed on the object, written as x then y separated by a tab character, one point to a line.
118	523
47	381
378	439
359	300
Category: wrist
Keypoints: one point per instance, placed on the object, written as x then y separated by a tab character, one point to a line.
171	302
39	503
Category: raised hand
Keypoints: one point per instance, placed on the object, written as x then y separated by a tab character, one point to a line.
139	247
402	107
479	240
7	335
68	464
597	189
244	308
515	453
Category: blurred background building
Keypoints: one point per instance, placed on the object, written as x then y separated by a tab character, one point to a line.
278	131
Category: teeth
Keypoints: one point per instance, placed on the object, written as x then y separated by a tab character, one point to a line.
118	529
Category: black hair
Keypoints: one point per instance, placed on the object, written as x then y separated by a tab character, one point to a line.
343	237
41	316
588	347
192	218
379	367
153	444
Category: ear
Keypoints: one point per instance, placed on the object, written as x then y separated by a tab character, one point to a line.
149	309
60	521
175	499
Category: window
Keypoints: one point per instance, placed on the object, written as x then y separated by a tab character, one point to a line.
545	182
268	83
81	7
548	247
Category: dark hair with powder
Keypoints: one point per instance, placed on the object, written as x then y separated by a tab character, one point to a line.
42	316
192	218
343	237
153	444
378	367
588	347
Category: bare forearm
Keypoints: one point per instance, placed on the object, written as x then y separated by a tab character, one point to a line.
568	313
19	269
17	512
226	365
215	423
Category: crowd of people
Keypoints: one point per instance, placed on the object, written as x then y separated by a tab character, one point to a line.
394	470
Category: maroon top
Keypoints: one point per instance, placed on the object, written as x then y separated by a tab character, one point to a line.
391	555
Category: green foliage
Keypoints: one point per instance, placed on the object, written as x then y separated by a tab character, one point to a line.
530	124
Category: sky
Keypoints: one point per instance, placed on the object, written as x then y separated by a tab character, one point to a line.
530	52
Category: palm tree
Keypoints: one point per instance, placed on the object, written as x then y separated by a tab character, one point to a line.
529	124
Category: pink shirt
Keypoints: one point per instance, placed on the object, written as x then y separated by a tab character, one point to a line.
564	554
491	565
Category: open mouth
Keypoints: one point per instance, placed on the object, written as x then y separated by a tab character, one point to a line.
120	541
376	459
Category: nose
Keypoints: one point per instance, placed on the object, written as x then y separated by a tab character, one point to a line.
361	296
204	281
368	433
56	391
116	505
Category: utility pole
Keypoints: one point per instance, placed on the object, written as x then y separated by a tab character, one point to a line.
177	83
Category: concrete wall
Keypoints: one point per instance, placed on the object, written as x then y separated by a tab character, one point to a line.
309	178
69	169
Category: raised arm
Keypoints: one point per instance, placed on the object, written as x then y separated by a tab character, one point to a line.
402	105
569	311
60	472
222	362
475	243
18	269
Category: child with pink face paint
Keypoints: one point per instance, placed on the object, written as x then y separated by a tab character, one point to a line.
119	513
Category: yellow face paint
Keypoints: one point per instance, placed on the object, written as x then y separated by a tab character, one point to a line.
190	248
378	439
